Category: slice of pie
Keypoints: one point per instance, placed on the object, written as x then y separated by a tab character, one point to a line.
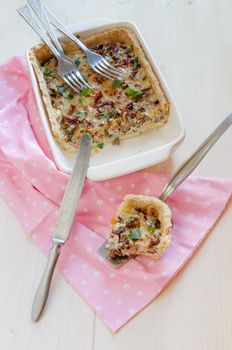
142	227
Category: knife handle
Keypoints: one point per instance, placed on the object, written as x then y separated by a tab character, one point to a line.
41	295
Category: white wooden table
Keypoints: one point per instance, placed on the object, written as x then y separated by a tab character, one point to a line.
192	43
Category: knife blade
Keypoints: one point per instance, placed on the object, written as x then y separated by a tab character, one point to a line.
73	192
64	223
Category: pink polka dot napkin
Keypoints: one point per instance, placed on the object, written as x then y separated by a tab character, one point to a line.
32	187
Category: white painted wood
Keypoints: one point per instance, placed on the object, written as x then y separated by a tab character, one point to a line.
192	43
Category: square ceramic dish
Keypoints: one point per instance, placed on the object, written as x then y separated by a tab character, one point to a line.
150	148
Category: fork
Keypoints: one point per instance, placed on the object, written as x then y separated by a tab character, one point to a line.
66	67
98	63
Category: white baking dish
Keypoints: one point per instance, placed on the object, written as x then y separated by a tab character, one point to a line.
150	148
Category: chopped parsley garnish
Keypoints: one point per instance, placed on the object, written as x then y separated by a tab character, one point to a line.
85	92
131	48
77	62
135	234
62	88
70	96
136	62
100	145
106	114
80	114
48	72
133	93
116	83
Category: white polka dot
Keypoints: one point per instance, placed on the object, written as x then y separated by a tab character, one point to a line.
84	266
65	271
85	210
201	194
15	77
27	224
100	218
189	230
34	204
18	191
93	189
86	294
63	187
112	199
182	251
76	238
119	302
112	275
99	202
147	191
34	180
125	270
34	237
83	283
151	263
131	311
4	82
28	198
48	179
1	97
221	181
208	203
126	286
139	293
93	235
164	273
132	185
105	292
145	277
45	204
25	214
145	175
119	188
10	204
188	200
51	229
96	273
89	249
190	216
39	220
118	321
98	308
2	183
72	256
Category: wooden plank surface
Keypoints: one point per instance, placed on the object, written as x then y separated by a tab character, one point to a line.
191	41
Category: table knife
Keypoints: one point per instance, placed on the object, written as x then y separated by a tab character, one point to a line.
64	223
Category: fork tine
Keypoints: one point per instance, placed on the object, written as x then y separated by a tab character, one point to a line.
103	70
76	80
79	76
112	68
66	79
101	64
101	73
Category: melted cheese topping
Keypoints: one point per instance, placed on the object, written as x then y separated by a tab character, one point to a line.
110	110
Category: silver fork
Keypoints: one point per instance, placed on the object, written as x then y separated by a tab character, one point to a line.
183	171
66	68
98	63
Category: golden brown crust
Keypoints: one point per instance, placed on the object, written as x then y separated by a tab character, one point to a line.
143	245
41	53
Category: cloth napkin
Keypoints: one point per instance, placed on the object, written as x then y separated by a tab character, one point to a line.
33	187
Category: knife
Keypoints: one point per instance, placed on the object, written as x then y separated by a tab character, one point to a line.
63	224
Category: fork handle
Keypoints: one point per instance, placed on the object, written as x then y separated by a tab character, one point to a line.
42	292
25	12
59	25
38	7
187	167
